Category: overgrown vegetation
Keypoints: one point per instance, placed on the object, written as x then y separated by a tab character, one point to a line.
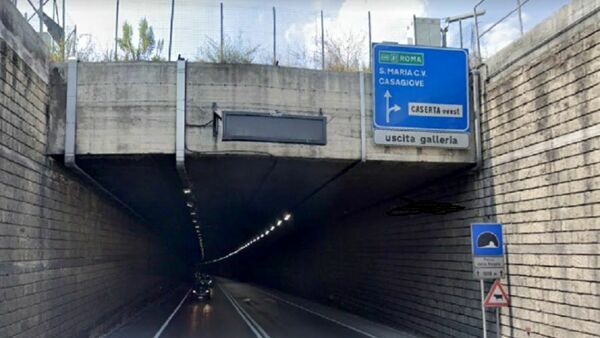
147	47
81	46
234	51
344	52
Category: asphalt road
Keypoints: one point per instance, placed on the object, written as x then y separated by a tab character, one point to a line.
239	310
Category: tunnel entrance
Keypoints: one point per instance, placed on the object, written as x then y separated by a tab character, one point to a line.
233	198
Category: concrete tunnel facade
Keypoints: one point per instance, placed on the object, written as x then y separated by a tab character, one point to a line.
364	237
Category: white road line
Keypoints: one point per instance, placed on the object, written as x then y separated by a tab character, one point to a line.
319	314
256	329
164	326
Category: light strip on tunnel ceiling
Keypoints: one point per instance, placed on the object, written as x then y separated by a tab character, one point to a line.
262	234
190	204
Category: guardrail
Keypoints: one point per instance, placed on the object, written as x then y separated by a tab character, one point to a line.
478	35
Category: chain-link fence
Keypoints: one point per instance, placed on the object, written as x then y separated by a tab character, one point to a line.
235	32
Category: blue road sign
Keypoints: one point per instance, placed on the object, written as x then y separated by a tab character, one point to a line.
487	239
420	88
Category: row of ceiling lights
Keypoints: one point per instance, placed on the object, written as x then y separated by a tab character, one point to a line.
270	229
190	204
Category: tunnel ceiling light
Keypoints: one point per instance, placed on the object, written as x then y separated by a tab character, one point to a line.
270	228
187	191
193	213
189	205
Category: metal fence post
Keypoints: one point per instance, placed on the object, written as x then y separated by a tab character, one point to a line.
370	42
75	42
322	43
461	33
520	16
477	38
221	56
116	29
274	36
40	15
64	26
171	28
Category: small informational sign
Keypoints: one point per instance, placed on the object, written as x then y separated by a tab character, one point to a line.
487	243
420	96
497	297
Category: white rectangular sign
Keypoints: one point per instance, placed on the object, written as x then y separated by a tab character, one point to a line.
421	139
435	110
488	267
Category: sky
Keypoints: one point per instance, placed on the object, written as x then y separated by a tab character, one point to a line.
250	22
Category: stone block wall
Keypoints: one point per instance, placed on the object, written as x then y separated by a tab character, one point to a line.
72	263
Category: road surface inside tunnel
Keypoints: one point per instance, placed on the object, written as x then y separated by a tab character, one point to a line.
242	310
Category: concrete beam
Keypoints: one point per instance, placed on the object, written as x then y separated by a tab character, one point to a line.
129	108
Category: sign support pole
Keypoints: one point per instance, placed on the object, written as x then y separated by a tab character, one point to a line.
483	308
497	322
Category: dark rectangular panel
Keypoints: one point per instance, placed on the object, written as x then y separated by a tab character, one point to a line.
263	127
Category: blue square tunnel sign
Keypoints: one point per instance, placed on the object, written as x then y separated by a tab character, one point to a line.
420	96
487	239
487	244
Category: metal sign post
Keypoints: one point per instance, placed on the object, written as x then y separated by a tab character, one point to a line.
487	245
498	322
420	96
483	308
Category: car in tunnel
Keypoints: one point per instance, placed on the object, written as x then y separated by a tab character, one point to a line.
201	292
203	287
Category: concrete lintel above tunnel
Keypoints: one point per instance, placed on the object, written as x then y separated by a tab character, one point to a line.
129	108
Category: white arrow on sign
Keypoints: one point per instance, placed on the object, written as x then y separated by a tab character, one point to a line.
388	109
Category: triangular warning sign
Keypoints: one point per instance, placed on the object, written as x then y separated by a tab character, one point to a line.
497	297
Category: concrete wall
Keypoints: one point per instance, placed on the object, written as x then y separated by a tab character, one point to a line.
71	263
540	178
129	108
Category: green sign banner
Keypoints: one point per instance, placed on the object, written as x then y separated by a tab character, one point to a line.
402	58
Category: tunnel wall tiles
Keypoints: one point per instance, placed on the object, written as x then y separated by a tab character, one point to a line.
71	264
540	178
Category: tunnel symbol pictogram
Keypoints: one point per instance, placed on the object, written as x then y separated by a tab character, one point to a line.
487	240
